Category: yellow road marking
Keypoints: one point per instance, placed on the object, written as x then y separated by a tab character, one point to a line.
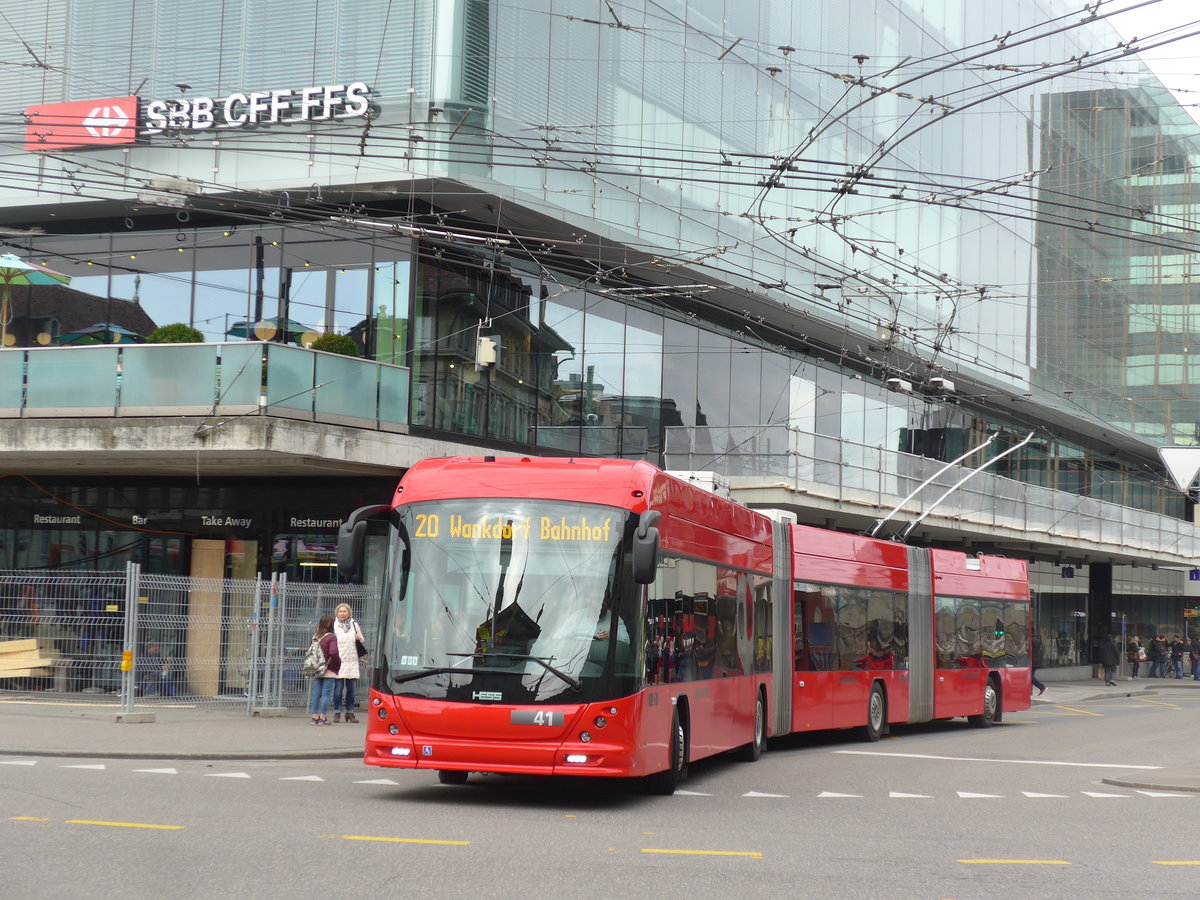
396	840
1082	712
747	853
1155	702
28	819
1015	862
125	824
1176	862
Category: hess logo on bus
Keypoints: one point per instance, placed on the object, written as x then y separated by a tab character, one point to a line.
486	695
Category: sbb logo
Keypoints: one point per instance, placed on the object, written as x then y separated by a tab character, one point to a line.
85	123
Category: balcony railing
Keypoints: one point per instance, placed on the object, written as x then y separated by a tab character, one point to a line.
246	377
875	479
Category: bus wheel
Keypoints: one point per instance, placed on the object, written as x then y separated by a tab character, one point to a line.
876	715
665	782
451	776
991	703
753	750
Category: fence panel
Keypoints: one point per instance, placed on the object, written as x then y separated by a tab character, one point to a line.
194	640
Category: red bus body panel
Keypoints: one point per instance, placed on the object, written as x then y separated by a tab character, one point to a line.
826	699
959	692
633	741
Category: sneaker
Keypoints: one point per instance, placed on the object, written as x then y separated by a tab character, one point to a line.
1041	690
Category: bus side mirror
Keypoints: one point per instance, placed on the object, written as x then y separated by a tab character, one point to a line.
645	547
351	538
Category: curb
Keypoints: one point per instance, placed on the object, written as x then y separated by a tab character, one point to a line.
354	753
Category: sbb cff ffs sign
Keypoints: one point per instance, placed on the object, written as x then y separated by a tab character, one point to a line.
85	123
120	120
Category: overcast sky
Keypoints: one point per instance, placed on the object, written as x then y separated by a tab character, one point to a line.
1178	64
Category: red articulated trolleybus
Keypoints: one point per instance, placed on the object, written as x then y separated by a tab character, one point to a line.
602	617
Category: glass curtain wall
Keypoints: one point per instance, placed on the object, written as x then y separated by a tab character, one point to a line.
288	284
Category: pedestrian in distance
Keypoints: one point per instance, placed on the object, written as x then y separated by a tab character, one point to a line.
1037	662
322	685
1134	655
349	638
1110	658
1194	653
1157	653
1178	649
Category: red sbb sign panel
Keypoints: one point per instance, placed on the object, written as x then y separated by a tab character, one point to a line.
84	123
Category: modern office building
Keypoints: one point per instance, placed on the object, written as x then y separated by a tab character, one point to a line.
819	250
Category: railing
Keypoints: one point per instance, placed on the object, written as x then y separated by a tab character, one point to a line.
876	479
64	636
246	377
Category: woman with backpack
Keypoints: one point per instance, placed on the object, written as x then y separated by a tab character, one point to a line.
322	686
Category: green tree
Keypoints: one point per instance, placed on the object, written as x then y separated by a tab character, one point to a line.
336	343
176	333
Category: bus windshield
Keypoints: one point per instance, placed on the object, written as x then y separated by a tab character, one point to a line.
513	601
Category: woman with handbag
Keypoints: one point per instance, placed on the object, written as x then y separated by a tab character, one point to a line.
349	639
322	686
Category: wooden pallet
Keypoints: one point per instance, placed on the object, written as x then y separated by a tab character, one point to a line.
29	657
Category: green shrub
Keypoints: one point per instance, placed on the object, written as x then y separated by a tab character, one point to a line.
336	343
176	333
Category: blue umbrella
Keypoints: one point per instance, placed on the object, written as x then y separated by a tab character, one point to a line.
268	329
14	270
101	333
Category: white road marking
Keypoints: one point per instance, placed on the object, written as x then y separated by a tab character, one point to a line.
226	775
897	795
1023	762
378	781
158	771
757	794
1164	794
1035	796
832	794
692	794
82	766
967	795
1099	795
18	762
302	778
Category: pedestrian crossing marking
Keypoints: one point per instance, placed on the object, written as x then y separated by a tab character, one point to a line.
757	794
835	795
692	794
899	796
1036	796
18	762
302	778
378	781
84	766
1164	794
1099	795
966	795
226	775
158	771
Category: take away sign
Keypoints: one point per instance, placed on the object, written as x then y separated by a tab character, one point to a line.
84	123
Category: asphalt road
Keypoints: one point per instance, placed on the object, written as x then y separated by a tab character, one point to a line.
938	811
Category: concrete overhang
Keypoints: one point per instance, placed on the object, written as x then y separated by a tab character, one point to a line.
197	447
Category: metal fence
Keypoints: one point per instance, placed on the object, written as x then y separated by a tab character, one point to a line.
140	640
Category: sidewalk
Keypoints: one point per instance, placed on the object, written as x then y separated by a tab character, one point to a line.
31	726
36	727
1067	693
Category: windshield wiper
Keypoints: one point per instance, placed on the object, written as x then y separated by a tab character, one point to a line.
540	660
401	677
